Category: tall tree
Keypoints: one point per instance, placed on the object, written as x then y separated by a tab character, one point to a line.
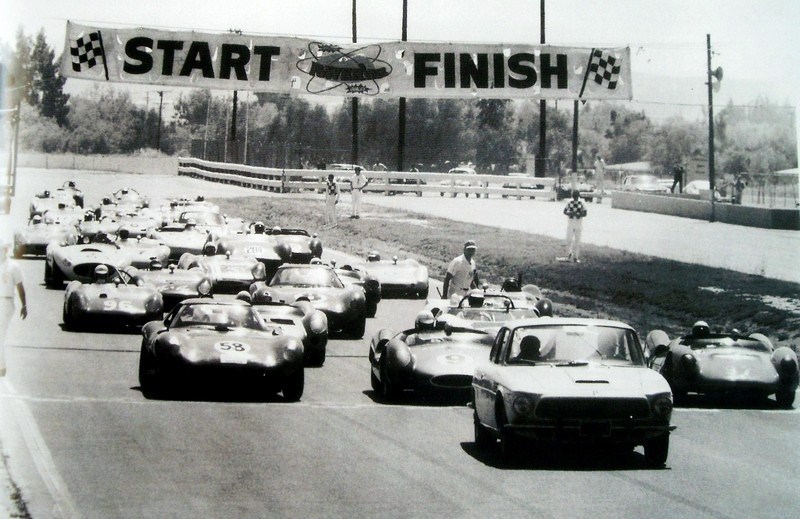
47	92
496	149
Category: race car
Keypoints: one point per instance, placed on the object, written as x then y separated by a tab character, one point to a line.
734	364
345	306
570	381
142	250
129	197
214	345
228	274
488	310
77	262
111	300
173	283
91	225
47	200
300	319
431	357
259	245
36	236
399	278
181	239
352	276
77	195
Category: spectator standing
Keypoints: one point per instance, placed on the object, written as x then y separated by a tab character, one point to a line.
357	183
678	177
576	211
331	200
738	189
462	273
11	281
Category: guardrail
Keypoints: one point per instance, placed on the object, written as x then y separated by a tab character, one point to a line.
386	182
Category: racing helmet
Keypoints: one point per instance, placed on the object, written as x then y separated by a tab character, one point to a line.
106	201
62	205
191	223
124	233
373	256
259	227
37	219
200	198
276	230
424	321
46	193
475	298
209	249
510	285
244	295
101	273
71	183
262	295
544	307
701	329
155	264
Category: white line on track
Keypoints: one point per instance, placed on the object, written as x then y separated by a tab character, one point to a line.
64	506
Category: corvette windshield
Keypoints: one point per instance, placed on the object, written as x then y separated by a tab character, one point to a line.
306	277
230	316
566	344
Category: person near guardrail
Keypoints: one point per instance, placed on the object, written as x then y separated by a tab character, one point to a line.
11	281
331	200
576	211
358	183
678	177
462	273
738	188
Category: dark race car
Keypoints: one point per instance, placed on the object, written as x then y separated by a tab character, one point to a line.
36	236
352	276
229	274
111	300
431	357
300	319
173	283
733	364
398	278
345	306
181	239
215	345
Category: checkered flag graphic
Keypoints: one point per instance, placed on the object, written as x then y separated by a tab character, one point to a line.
604	69
87	51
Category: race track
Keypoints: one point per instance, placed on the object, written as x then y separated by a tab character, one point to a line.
82	441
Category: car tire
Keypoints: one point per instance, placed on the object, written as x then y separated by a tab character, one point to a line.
294	385
374	382
53	277
317	358
657	450
785	397
389	391
358	329
483	437
148	374
372	309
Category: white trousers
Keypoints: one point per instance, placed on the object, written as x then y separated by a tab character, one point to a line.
356	202
330	210
574	230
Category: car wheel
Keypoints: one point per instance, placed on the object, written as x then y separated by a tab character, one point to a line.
374	382
148	373
656	451
293	386
509	442
372	309
483	438
53	277
357	331
316	358
441	194
389	391
785	397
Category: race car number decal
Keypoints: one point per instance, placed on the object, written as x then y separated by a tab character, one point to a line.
253	249
232	352
109	305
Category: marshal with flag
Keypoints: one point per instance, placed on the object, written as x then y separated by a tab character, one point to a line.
233	61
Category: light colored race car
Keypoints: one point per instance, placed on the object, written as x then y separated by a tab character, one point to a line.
111	300
34	238
734	365
488	310
181	239
210	345
431	358
300	319
77	262
129	197
317	283
47	200
398	278
228	274
173	283
571	381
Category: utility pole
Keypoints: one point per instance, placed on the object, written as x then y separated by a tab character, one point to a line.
354	102
541	160
158	132
401	107
234	151
575	136
711	74
246	124
205	136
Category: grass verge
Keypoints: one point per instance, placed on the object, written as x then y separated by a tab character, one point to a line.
646	292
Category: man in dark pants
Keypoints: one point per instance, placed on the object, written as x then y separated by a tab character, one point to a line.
678	174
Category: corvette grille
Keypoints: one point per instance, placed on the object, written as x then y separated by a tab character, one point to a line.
595	408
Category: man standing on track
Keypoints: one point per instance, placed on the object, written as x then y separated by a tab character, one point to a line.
576	211
462	273
10	281
331	199
357	183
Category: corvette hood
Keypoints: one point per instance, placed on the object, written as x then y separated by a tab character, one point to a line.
590	380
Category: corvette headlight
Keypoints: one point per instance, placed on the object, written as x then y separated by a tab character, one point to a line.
662	406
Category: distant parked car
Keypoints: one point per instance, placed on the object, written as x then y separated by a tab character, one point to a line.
643	184
461	178
700	187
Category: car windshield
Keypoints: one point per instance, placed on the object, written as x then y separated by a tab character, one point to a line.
202	217
492	314
306	277
574	344
424	338
726	342
230	316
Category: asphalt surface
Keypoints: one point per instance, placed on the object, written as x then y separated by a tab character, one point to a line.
73	404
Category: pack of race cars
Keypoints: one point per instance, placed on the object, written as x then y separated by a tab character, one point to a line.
220	300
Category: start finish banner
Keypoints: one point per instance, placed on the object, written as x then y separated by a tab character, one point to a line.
231	61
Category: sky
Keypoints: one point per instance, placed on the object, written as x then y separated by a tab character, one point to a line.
756	42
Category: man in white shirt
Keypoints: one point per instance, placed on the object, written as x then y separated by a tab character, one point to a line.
10	282
462	273
357	183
